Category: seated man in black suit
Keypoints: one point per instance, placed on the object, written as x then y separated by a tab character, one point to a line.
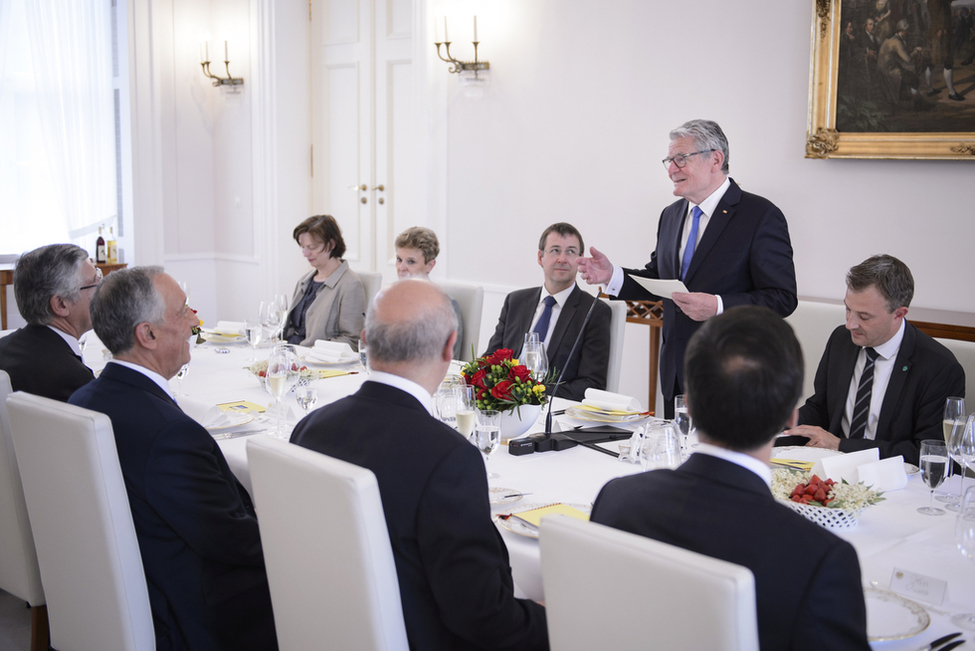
556	312
198	536
52	285
452	565
882	383
744	375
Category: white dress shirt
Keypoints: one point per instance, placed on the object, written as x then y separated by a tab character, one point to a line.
883	366
409	386
71	341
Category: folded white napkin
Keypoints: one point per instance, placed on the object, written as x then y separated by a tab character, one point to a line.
206	414
330	352
230	327
886	475
844	466
609	401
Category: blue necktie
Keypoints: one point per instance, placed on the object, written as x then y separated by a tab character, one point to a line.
685	261
542	326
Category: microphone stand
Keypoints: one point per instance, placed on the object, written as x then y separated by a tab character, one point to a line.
547	440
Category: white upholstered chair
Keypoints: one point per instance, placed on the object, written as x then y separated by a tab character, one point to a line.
617	330
610	589
470	300
372	282
19	574
83	532
964	352
326	547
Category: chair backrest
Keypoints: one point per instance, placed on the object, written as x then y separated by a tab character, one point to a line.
372	282
470	300
964	352
326	547
19	574
79	513
658	594
617	330
813	323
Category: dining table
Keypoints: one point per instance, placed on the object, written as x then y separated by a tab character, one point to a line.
908	561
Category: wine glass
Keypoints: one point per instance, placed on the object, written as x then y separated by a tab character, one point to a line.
934	463
306	393
180	374
954	417
281	306
535	359
254	333
965	538
269	319
487	434
961	448
362	354
661	446
466	413
282	374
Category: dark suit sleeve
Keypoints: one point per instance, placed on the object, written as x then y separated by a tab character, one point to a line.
927	413
594	357
466	560
189	485
498	337
773	273
833	615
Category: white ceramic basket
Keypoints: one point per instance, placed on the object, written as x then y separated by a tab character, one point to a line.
825	516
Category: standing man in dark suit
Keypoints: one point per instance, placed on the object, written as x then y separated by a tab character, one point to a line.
728	246
454	578
52	285
556	311
198	536
744	376
882	383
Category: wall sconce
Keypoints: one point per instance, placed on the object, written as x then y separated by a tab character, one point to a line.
464	68
205	64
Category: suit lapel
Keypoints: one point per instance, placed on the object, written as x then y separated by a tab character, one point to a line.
898	378
671	231
723	213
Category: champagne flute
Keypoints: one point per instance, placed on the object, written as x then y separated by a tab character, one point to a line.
682	419
965	538
934	462
954	417
282	374
487	434
466	410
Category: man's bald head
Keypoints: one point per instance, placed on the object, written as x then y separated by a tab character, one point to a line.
409	321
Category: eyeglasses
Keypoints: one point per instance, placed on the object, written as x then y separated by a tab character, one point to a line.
680	160
556	251
98	280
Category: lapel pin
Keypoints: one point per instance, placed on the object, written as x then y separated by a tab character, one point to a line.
725	211
905	368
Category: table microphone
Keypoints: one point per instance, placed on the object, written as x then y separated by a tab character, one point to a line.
547	441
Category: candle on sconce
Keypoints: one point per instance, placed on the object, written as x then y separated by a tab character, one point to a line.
446	36
226	57
436	31
206	45
202	57
475	28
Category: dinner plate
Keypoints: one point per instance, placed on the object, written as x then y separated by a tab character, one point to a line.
519	527
892	617
236	418
602	417
499	495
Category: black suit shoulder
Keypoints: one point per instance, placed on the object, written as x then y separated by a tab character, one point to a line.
39	361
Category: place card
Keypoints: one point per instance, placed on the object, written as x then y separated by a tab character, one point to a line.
242	406
918	586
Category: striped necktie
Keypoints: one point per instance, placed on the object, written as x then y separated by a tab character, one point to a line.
861	408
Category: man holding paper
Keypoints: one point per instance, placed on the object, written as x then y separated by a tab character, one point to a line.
744	376
729	248
198	536
882	383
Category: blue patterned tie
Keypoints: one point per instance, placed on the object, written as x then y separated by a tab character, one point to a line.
685	261
542	326
861	408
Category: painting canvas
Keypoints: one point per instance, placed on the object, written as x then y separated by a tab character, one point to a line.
892	79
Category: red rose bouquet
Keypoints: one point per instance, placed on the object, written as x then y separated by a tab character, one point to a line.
501	383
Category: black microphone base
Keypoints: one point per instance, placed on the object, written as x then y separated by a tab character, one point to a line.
551	442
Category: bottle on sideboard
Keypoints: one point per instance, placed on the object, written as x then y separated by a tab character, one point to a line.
101	256
111	247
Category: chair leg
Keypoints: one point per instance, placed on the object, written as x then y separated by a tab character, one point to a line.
40	634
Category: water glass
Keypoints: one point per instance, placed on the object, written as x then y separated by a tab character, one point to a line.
487	434
661	447
180	374
535	358
466	414
934	465
306	393
682	419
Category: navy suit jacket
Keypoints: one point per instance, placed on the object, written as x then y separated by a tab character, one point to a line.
39	361
452	565
807	580
745	256
197	532
588	366
925	373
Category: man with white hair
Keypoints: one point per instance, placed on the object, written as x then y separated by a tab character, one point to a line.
198	536
52	285
454	578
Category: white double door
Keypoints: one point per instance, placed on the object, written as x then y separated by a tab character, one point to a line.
363	124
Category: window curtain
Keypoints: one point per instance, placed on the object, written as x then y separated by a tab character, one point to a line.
71	49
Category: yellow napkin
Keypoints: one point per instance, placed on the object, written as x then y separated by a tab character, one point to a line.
534	516
793	464
613	412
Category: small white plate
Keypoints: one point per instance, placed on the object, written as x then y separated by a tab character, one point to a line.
892	617
236	419
498	495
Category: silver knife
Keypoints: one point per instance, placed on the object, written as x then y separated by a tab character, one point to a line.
939	642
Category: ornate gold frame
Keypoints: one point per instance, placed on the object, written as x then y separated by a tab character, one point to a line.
822	138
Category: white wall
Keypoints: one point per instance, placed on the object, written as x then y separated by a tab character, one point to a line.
571	128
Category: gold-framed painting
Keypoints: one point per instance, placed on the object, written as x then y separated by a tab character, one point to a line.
892	79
